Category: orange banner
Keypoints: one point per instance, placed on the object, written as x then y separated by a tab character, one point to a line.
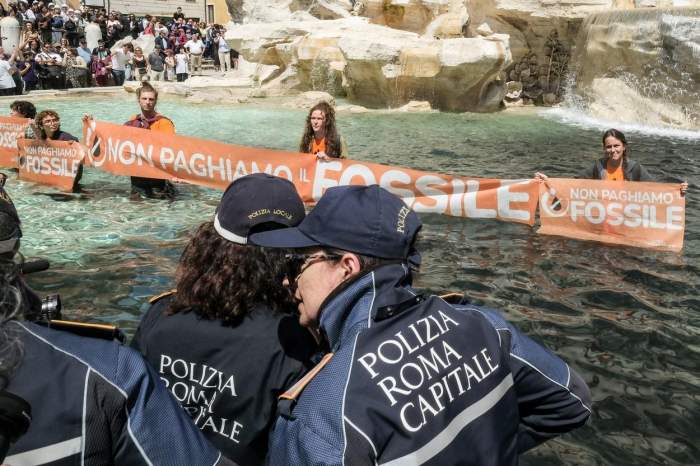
53	163
648	215
123	150
11	129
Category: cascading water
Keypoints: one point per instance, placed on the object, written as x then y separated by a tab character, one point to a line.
638	67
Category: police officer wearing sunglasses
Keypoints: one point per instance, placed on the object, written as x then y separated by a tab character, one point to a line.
410	378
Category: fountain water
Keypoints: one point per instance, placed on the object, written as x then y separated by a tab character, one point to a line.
639	67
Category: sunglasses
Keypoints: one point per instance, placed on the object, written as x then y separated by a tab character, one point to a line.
296	264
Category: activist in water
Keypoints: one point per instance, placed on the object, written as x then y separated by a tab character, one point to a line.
410	379
225	343
616	165
48	126
321	136
149	119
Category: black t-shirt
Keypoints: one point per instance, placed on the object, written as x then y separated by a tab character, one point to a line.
227	378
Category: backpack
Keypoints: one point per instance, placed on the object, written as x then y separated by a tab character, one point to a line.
69	26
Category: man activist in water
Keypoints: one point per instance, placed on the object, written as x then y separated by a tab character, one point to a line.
147	97
409	379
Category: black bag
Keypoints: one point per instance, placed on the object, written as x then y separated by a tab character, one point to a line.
55	71
69	26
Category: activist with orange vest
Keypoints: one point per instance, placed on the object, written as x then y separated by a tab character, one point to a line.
616	165
48	126
320	136
150	119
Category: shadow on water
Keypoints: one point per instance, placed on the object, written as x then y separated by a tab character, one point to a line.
625	318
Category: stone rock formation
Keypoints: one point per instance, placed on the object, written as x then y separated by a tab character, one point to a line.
455	54
647	58
376	66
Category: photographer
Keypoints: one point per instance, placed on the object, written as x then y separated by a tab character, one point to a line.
49	64
96	402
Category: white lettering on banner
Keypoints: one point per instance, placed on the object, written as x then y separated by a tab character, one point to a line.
427	186
505	196
427	373
637	197
470	202
398	176
360	171
8	137
205	166
45	160
197	387
630	215
432	193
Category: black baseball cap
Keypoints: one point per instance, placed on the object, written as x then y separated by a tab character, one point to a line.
255	203
10	231
367	220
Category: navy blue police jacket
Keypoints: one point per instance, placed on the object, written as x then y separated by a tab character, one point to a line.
96	402
415	380
227	378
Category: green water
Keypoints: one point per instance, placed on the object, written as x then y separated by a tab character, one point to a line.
625	318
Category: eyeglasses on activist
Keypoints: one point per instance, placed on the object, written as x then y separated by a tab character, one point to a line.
296	264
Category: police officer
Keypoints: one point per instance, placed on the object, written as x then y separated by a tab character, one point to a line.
93	401
10	234
410	379
226	344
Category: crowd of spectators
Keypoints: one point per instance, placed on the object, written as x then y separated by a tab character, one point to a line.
53	51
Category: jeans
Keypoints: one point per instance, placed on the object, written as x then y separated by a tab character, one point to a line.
118	76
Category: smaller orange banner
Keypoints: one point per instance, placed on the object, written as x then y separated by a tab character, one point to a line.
53	163
648	215
11	129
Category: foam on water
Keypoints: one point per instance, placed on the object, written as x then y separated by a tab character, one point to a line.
575	116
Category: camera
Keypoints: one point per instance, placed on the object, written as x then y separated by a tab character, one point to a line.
51	307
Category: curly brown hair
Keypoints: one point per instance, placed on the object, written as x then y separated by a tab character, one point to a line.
39	121
222	280
333	145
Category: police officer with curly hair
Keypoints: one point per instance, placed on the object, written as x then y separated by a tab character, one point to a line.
225	342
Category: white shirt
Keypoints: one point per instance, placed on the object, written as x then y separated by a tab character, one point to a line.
6	81
181	63
195	47
119	60
223	45
48	56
